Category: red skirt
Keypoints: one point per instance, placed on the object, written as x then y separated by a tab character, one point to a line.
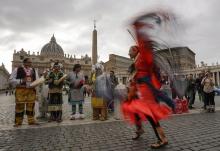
144	106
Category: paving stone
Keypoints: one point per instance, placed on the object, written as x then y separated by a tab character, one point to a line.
192	132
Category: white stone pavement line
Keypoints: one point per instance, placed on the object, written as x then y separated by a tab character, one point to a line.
54	124
83	122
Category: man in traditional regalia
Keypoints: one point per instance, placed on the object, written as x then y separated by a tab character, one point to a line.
25	95
76	80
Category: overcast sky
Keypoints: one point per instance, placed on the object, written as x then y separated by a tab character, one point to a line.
30	24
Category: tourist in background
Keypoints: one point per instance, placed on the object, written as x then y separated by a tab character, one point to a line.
199	87
209	94
114	82
190	90
6	92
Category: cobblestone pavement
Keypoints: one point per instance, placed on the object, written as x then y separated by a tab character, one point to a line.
192	132
7	110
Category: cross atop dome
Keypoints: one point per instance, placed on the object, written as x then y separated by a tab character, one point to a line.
53	39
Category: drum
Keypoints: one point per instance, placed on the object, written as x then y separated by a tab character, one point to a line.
37	82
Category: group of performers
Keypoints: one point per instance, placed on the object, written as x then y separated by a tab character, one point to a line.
50	97
144	99
26	94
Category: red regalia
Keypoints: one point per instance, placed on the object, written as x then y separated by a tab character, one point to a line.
146	102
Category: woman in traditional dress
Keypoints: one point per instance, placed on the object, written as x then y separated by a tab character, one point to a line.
55	93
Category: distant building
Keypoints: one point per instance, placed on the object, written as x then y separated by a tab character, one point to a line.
49	53
182	56
185	59
4	77
119	65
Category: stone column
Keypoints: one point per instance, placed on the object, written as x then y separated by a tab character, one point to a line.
213	77
217	78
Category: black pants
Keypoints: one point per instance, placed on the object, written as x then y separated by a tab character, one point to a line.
209	98
151	121
56	115
190	95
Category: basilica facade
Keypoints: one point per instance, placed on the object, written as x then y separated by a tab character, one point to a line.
50	53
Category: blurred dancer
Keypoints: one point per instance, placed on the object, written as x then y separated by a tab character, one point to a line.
144	96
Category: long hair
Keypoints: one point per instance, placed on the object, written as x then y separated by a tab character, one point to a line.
20	73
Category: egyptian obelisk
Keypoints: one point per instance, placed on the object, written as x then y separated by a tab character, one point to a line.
94	44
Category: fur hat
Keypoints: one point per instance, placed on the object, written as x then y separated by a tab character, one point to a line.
98	66
56	64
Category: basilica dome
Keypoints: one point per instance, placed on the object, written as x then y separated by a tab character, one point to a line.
52	49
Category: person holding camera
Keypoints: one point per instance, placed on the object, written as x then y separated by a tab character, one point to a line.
209	94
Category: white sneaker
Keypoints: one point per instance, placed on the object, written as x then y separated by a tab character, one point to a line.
77	116
81	116
116	118
72	117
